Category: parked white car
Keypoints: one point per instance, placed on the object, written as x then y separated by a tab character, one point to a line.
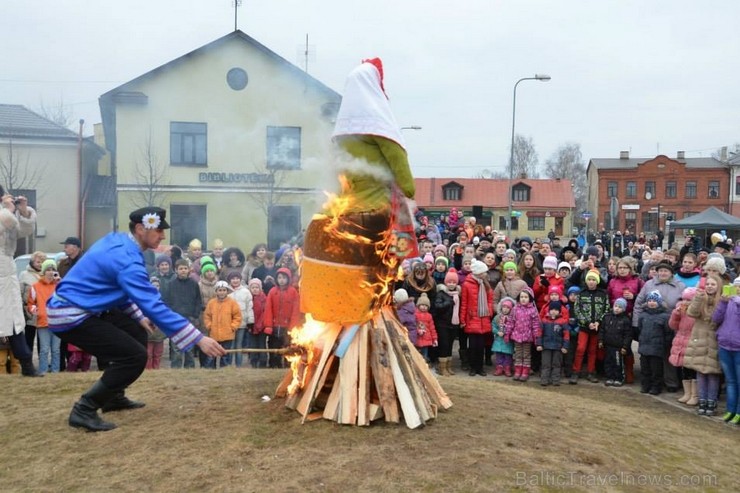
21	262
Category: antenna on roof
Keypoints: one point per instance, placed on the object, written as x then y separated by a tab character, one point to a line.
236	4
306	53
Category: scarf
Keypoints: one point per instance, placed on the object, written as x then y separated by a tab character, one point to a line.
482	299
455	307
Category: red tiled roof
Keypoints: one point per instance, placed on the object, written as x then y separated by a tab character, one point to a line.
490	193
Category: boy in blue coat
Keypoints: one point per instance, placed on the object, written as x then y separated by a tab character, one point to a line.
553	339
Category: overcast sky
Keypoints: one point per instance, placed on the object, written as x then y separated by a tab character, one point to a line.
644	76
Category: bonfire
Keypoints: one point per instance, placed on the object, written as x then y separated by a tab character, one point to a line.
352	361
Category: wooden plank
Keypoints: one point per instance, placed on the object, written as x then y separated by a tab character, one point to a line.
375	412
282	388
363	385
405	398
348	371
326	346
332	403
382	373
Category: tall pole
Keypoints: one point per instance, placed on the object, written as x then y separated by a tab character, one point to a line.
543	78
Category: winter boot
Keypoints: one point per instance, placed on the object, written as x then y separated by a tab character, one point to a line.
448	366
27	369
702	411
686	391
711	408
464	363
507	370
499	370
525	374
694	397
119	402
85	411
517	372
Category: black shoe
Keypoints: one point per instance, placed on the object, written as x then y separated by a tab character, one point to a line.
573	380
671	390
85	415
702	411
654	392
27	369
644	390
472	373
711	408
120	402
481	373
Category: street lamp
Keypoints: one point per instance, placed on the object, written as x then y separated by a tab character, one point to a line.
541	78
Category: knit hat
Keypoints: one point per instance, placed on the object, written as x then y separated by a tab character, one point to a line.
428	258
423	300
401	296
163	258
736	281
592	250
654	296
715	263
621	303
439	250
406	264
48	264
664	264
205	268
555	289
442	259
510	265
573	290
507	301
529	291
510	252
205	259
564	265
550	262
233	275
593	274
688	294
477	267
223	284
255	282
452	276
476	240
555	305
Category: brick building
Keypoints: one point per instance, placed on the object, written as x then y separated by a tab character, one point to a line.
651	191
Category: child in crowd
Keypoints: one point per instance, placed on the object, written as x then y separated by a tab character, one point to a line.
682	324
207	287
476	312
429	262
554	293
78	359
511	285
155	340
653	335
426	333
464	271
548	279
182	295
727	318
240	293
570	303
564	270
441	264
591	306
406	313
164	270
282	314
256	337
615	337
38	295
266	273
522	327
222	317
503	349
553	338
447	319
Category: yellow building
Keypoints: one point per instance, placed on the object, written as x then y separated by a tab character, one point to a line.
219	137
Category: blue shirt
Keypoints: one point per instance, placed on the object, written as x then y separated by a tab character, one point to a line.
113	275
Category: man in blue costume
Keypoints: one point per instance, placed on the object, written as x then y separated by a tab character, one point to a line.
106	306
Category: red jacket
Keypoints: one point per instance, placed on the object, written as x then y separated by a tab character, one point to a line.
425	323
541	296
259	303
283	305
469	308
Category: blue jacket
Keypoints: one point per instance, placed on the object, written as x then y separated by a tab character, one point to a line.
113	275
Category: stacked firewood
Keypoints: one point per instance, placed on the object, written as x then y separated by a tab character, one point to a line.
358	374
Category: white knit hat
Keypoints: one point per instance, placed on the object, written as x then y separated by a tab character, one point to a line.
401	296
564	265
716	263
477	267
550	262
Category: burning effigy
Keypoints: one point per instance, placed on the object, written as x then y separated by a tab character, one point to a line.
352	361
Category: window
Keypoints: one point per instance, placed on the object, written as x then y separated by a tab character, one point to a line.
669	215
649	222
188	222
502	226
650	187
737	185
285	223
515	224
670	189
630	220
689	214
520	193
611	189
713	189
690	189
631	189
284	147
536	224
452	193
188	144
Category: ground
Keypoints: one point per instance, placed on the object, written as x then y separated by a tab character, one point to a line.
211	431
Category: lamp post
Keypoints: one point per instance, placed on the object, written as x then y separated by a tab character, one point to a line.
541	78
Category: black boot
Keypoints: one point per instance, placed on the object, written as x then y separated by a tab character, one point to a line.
711	408
119	402
702	411
27	369
464	363
85	411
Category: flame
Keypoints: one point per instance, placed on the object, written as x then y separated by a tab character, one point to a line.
305	336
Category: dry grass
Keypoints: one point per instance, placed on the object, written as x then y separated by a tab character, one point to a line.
210	431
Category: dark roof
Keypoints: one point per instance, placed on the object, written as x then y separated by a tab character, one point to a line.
101	191
20	122
711	218
631	163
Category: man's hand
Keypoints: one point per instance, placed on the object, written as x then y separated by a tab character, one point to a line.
22	205
148	325
8	202
211	348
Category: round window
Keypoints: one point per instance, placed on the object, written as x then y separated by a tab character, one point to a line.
237	79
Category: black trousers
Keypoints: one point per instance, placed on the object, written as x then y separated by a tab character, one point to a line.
651	372
19	346
476	350
117	341
613	364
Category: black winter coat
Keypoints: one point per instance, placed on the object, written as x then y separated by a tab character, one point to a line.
442	310
616	331
654	333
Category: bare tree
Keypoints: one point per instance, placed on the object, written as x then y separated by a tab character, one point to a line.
526	160
59	113
16	173
487	174
150	175
567	163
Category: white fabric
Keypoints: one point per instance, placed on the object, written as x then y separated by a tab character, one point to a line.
365	109
12	227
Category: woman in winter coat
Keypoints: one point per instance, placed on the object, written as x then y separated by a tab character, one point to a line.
254	260
682	324
420	281
689	273
476	313
528	270
28	278
511	284
522	327
233	261
727	316
702	350
627	285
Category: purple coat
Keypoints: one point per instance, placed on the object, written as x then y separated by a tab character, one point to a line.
727	317
407	316
523	323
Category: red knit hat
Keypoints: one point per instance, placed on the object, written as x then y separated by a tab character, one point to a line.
452	276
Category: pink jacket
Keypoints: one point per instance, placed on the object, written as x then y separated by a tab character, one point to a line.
523	323
682	324
617	285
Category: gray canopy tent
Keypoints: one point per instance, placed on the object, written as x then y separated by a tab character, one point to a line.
709	219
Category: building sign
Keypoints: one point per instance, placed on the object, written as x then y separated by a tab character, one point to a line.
630	207
235	178
546	213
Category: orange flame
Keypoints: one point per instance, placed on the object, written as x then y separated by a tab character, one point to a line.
305	336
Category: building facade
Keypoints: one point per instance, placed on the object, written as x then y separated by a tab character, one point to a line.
643	194
227	138
538	205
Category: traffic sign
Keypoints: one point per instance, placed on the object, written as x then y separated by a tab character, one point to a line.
586	215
